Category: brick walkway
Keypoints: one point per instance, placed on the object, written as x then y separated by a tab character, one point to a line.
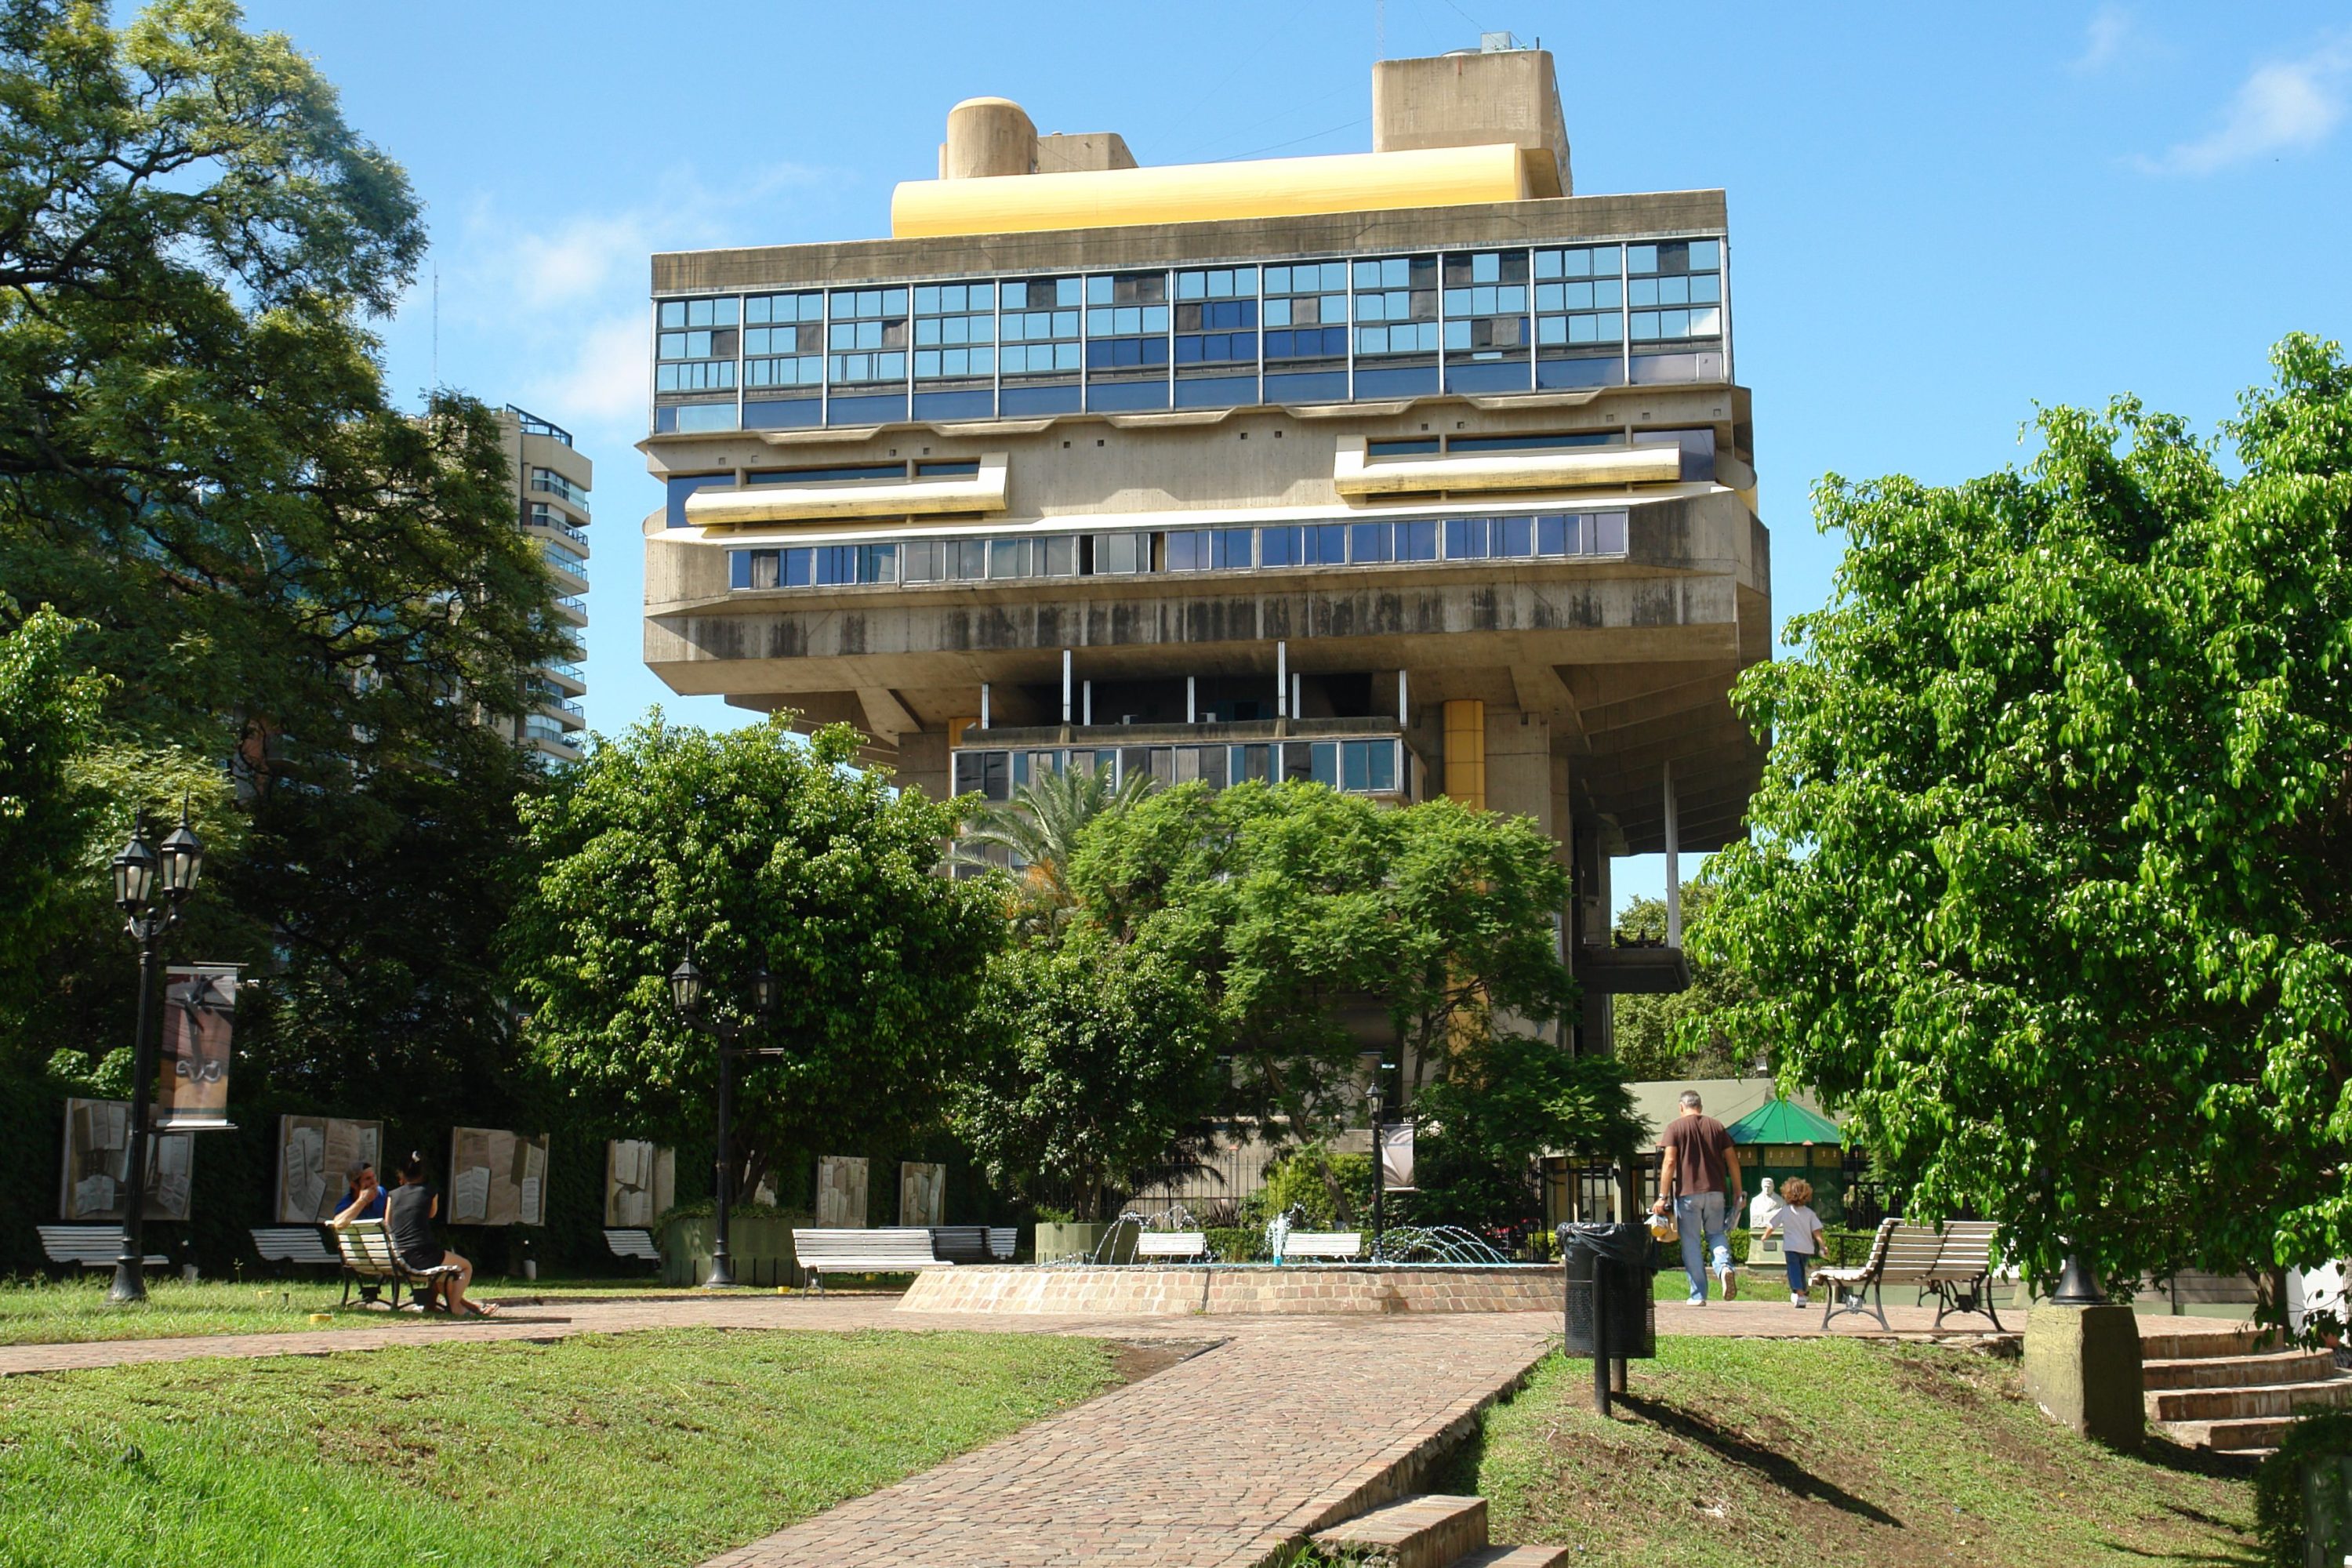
1216	1461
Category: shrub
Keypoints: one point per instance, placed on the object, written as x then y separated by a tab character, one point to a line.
2315	1440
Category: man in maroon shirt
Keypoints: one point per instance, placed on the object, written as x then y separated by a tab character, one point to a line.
1700	1166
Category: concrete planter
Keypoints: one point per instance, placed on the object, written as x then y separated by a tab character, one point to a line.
1066	1243
761	1246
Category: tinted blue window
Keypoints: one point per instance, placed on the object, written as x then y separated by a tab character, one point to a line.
681	486
1370	542
1216	392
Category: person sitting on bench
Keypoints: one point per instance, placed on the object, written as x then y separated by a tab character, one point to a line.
408	1216
363	1199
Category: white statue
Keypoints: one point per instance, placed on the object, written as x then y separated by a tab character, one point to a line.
1764	1208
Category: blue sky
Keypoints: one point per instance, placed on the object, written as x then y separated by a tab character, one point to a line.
1939	217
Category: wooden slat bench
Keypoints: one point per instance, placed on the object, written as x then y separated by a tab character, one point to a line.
1171	1244
897	1250
1339	1244
296	1246
370	1259
1953	1264
90	1247
637	1243
1002	1241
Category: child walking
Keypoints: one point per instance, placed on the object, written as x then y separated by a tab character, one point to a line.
1800	1234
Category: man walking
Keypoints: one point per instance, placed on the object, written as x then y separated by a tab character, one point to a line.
1700	1166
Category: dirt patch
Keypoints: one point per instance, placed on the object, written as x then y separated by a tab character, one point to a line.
1135	1360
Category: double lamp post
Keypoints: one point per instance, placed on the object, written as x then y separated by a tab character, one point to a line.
686	998
149	889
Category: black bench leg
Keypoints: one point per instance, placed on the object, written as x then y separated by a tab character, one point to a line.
1878	1308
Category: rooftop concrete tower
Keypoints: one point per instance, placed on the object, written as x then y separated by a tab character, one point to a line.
1407	470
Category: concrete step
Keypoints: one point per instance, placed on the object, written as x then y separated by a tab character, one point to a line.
1515	1557
2240	1370
1427	1531
2243	1404
2257	1436
2176	1344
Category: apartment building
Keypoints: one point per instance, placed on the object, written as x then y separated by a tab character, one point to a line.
552	484
1412	471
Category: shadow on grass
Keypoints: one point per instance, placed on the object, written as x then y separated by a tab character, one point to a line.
1776	1469
2227	1554
2214	1464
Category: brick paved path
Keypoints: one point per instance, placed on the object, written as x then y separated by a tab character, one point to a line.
1217	1460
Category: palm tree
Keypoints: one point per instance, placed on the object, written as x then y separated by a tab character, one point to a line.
1038	828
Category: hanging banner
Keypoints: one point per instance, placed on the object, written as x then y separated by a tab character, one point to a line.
199	1012
1396	1157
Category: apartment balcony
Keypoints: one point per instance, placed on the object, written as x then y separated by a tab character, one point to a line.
573	607
566	679
546	522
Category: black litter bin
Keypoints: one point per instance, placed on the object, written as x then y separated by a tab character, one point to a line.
1618	1261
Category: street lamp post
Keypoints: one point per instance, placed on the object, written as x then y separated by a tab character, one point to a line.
685	995
149	889
1380	1170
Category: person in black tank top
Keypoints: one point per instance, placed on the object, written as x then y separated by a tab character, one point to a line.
408	1215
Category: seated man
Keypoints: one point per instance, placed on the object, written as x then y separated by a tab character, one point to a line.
408	1216
363	1199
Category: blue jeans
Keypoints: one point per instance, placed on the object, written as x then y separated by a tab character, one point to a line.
1797	1262
1696	1213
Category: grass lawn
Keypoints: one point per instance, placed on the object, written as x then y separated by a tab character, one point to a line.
69	1310
640	1449
1825	1453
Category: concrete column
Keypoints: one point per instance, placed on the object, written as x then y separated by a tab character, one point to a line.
1299	697
1404	712
1674	865
1065	686
1465	752
983	705
1282	680
1191	708
1090	698
2082	1365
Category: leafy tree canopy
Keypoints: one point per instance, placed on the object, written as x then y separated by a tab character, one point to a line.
2051	873
1508	1099
753	850
48	722
1677	1033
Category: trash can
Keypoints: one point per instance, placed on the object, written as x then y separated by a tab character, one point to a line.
1619	1261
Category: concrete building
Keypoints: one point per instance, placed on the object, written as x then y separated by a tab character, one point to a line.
552	484
1412	471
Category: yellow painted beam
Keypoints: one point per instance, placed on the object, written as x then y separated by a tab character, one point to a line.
1586	467
1465	752
1197	192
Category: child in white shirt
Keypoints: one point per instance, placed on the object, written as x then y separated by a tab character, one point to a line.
1801	1233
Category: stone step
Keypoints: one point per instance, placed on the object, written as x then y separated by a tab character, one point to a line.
2178	1344
2238	1370
1430	1531
2258	1436
1515	1557
2242	1403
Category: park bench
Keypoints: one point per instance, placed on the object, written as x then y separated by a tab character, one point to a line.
371	1259
632	1244
90	1246
960	1243
1171	1244
1954	1264
1338	1244
895	1250
1001	1240
295	1245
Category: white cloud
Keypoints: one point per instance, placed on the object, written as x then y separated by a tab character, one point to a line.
2108	35
606	378
2281	107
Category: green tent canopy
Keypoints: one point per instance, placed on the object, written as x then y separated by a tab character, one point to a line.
1783	1121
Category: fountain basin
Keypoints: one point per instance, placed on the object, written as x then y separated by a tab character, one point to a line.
1313	1289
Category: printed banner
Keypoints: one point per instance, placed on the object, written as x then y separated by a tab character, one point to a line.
922	1193
841	1192
199	1013
497	1177
315	1155
640	1182
98	1164
1396	1157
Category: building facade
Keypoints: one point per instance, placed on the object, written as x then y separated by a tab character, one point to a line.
551	485
1409	472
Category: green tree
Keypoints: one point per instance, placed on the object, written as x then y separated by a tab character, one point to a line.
1678	1034
2050	880
1106	1064
49	722
1508	1099
755	850
1038	830
276	569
